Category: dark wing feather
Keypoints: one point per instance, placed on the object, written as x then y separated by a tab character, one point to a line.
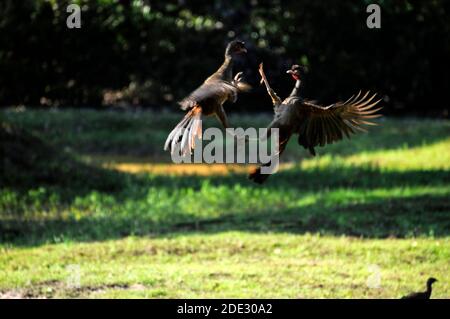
284	136
211	92
321	125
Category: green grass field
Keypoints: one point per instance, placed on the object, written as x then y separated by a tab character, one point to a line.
114	215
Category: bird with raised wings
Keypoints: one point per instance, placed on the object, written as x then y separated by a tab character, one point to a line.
314	124
208	99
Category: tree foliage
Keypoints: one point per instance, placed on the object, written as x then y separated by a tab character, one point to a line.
153	52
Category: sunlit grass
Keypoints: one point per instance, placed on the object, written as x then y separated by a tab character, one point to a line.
231	265
425	157
165	230
178	169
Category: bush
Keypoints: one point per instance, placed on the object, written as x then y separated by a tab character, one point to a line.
152	53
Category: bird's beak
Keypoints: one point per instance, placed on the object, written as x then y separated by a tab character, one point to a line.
289	71
243	50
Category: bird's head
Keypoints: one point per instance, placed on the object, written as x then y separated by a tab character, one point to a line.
235	47
297	71
431	280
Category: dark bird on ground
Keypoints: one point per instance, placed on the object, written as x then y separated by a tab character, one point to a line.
314	124
207	100
422	295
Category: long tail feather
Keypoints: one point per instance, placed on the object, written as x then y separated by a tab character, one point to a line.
196	131
185	145
183	135
175	130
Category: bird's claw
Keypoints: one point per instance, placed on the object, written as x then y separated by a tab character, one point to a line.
238	77
261	72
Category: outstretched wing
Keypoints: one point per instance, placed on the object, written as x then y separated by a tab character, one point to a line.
319	125
208	93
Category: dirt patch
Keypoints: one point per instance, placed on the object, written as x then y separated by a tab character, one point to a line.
60	289
11	294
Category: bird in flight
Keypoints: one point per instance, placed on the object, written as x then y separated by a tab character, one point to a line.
314	124
208	99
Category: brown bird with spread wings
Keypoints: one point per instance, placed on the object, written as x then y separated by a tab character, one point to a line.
207	100
315	125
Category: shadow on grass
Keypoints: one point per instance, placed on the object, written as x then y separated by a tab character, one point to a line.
425	215
143	133
317	179
407	217
77	180
31	164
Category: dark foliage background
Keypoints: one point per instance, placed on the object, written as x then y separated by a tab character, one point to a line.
152	53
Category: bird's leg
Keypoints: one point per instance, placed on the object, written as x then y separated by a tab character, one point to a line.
275	98
233	94
222	116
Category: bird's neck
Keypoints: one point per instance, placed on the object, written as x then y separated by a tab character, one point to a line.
296	90
225	72
428	288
